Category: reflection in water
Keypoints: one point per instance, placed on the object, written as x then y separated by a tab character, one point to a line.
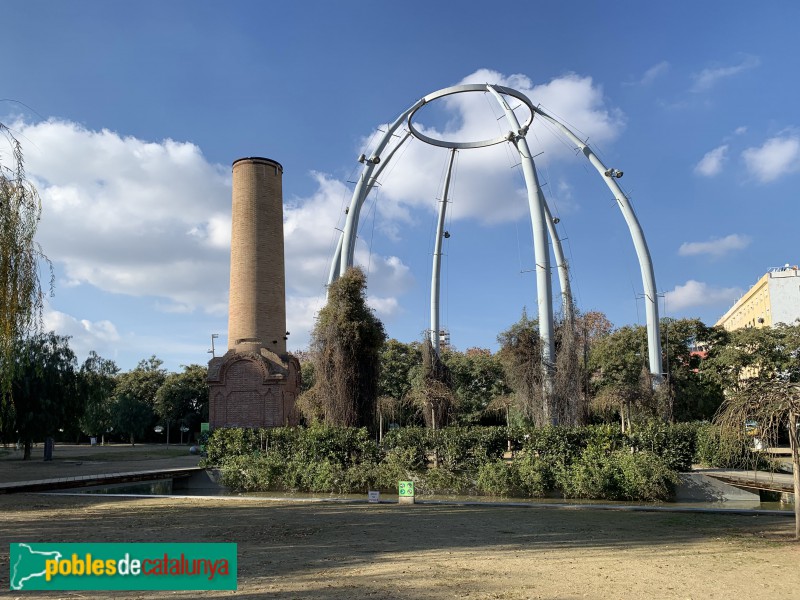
161	487
166	487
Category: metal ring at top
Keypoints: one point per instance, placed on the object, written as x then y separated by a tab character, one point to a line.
470	87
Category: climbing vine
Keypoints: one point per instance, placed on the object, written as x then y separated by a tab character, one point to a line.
345	347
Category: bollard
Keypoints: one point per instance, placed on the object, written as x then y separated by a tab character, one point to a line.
49	443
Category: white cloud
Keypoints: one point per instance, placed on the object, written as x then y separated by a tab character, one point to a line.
708	78
301	312
100	336
712	161
653	73
132	217
778	156
740	130
563	201
310	237
152	219
383	307
310	234
716	248
696	293
484	186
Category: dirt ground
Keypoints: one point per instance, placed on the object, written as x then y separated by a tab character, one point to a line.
301	550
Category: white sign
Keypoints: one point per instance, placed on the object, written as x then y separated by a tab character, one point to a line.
374	496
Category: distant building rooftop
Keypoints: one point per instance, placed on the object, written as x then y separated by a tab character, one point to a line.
773	299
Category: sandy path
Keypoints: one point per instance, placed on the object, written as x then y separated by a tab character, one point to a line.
293	550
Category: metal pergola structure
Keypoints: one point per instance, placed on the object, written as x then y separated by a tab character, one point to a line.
542	222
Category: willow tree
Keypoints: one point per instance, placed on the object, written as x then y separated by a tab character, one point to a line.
21	297
760	370
346	345
521	356
772	401
563	401
432	390
44	388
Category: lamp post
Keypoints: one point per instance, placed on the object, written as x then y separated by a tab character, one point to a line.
160	429
212	352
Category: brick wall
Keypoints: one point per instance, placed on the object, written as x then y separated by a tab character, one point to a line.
253	390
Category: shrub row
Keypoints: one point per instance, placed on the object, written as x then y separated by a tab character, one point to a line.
594	474
339	445
595	461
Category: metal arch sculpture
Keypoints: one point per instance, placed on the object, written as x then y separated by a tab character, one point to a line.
541	220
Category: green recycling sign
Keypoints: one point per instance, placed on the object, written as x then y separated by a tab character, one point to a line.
406	489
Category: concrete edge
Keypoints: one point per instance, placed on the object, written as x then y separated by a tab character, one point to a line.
550	506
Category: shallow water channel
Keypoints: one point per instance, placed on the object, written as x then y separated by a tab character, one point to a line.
169	487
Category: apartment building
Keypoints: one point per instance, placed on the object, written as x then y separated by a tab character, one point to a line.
775	298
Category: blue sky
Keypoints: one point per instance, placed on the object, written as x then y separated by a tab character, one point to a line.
132	113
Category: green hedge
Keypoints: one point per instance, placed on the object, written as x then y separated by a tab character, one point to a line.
341	445
583	462
455	448
675	444
619	475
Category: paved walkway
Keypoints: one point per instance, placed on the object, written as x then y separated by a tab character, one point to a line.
762	480
79	463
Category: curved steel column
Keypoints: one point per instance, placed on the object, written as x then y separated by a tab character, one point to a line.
362	189
541	251
639	243
567	305
337	255
333	274
437	257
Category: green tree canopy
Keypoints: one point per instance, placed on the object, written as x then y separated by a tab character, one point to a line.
617	359
693	396
397	362
477	378
183	397
44	387
620	373
736	356
132	416
97	382
135	396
